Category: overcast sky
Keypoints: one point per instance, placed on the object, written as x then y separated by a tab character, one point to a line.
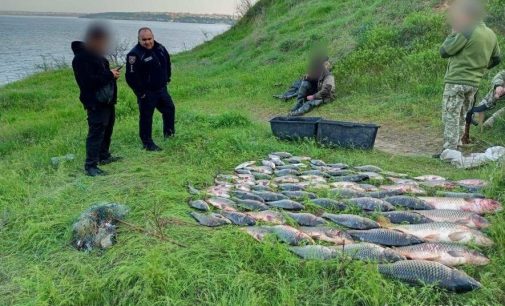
192	6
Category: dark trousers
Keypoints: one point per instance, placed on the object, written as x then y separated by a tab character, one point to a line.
162	101
100	127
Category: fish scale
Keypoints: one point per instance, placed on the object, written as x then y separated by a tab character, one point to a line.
466	218
479	206
449	254
371	252
385	237
445	232
428	272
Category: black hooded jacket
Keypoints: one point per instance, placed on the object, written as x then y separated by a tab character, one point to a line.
148	70
92	73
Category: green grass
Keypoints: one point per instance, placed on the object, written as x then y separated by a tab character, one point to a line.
388	72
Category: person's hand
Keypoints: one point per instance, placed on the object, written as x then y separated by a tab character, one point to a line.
115	73
310	98
499	92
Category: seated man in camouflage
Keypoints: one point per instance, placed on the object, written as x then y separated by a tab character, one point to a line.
317	88
496	93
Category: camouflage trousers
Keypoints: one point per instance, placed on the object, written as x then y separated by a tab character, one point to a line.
490	102
458	100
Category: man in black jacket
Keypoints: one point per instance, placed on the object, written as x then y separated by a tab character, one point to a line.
98	94
148	72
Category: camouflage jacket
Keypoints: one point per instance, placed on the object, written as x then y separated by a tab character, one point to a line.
326	87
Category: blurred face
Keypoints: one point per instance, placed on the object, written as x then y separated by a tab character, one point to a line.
99	45
459	18
146	39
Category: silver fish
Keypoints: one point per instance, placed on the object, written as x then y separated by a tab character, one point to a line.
371	253
385	237
287	204
286	172
329	204
251	205
432	273
291	235
291	187
352	221
268	216
270	196
247	196
402	217
200	205
245	165
408	202
222	203
478	206
210	220
257	232
368	168
371	204
306	219
445	232
286	180
238	218
469	219
314	252
327	234
448	254
299	195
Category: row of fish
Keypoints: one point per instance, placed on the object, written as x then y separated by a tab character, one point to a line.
414	237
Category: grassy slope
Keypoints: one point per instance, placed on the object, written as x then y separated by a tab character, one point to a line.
388	71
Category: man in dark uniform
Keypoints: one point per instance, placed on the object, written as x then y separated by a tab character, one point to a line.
98	94
148	72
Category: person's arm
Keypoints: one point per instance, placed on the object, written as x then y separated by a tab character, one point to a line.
169	66
133	75
499	79
453	44
495	58
327	88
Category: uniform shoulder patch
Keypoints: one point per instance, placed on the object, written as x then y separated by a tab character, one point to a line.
132	59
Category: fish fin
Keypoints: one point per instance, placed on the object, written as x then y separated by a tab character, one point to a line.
457	236
432	237
456	254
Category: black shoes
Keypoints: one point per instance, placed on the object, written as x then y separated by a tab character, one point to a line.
152	148
95	171
110	160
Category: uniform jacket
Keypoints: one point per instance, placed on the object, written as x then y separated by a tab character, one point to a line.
148	70
470	53
326	87
92	73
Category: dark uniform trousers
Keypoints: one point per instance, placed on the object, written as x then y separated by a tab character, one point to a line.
100	127
162	101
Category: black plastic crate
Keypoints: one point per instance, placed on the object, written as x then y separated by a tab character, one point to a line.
293	128
347	134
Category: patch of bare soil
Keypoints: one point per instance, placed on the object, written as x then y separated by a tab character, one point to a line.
408	141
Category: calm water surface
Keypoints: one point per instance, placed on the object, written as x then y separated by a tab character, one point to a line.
25	40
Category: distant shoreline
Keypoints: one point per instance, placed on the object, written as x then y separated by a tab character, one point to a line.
138	16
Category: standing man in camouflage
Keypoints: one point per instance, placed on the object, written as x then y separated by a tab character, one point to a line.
489	102
471	49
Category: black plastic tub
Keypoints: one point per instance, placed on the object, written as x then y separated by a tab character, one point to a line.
347	134
293	128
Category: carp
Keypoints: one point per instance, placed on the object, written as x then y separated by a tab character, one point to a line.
268	216
306	219
466	218
371	204
327	234
352	221
385	237
408	202
291	235
287	204
210	220
315	252
370	252
422	272
479	206
401	217
448	254
200	205
238	218
270	196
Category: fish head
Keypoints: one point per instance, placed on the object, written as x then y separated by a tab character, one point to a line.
478	258
479	221
482	239
460	282
489	205
414	239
